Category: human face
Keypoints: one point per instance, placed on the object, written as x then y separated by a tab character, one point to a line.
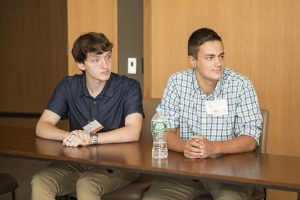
210	62
97	67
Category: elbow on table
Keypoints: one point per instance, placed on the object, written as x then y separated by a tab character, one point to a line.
135	136
39	129
252	145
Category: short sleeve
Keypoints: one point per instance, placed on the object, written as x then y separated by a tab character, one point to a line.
133	99
59	100
170	103
248	117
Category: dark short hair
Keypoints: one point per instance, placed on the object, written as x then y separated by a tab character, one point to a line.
91	42
199	37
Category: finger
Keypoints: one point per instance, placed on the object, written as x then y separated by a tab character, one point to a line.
67	140
75	132
81	136
194	143
189	154
192	151
87	139
196	139
197	136
74	142
204	154
74	137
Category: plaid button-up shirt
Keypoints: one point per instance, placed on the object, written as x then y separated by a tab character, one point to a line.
184	106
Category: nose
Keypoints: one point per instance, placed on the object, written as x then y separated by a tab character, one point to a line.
105	64
218	61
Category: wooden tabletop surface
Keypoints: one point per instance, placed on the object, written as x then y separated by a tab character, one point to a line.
270	171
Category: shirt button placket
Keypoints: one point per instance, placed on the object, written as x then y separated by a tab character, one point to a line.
204	116
93	111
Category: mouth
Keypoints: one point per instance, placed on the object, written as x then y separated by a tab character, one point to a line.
217	70
105	73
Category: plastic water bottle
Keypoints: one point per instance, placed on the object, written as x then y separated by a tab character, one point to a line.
158	129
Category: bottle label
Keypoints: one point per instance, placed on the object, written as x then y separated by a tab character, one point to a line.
158	127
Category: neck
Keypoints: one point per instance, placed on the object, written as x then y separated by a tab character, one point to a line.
207	86
95	88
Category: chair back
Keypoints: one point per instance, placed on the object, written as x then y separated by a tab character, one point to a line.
8	183
263	138
149	105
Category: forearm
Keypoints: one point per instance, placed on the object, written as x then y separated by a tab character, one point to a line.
239	144
129	133
124	134
49	131
174	142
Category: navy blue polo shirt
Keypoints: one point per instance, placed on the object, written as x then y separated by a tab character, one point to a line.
120	97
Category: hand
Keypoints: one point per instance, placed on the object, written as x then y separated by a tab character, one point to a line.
206	147
192	149
77	138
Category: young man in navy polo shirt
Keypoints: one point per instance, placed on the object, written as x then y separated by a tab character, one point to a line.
113	103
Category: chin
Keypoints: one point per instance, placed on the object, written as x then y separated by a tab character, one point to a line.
106	77
217	76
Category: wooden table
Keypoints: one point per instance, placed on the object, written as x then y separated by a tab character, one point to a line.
263	170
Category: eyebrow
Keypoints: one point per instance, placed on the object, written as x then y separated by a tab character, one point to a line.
214	54
100	55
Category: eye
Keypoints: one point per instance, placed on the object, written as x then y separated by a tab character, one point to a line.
95	60
108	57
209	58
221	57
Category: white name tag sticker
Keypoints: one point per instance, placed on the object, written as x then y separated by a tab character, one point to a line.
93	127
216	107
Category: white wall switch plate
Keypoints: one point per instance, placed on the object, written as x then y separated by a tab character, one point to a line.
131	66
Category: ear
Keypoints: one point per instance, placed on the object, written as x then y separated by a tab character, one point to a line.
81	66
192	61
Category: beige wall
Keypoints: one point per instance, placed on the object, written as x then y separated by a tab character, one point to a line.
261	41
92	15
33	52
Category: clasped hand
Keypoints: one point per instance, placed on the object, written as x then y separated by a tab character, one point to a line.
198	147
77	138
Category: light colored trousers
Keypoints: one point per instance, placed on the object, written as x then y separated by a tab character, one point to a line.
90	183
167	188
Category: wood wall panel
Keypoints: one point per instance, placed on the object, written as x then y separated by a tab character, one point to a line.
261	41
33	35
93	15
34	51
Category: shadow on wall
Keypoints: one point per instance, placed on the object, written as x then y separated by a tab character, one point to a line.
23	170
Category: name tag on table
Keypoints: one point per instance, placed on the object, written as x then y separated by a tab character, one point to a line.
93	127
216	107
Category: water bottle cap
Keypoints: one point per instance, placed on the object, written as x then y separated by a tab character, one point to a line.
158	107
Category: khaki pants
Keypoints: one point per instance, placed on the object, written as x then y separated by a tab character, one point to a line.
174	188
90	183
